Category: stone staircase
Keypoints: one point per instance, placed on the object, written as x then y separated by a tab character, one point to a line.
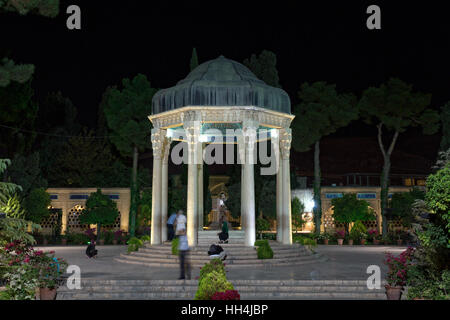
238	256
248	289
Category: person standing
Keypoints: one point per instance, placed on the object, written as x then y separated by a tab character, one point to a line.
170	227
180	222
183	251
223	236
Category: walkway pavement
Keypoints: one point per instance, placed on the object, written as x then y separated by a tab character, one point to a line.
344	263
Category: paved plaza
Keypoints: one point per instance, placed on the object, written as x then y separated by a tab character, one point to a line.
343	263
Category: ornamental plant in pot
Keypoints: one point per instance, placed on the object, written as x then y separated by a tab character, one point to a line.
373	236
340	235
397	273
50	270
117	237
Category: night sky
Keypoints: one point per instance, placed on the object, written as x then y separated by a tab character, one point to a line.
320	41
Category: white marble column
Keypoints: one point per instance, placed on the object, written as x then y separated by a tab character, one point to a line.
285	148
279	197
157	139
164	186
242	198
192	129
248	199
200	186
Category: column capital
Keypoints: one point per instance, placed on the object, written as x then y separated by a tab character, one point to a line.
157	142
285	142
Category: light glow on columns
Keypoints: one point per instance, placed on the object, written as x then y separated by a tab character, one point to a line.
169	133
273	133
203	138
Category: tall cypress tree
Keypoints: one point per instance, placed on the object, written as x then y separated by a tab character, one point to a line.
126	114
194	59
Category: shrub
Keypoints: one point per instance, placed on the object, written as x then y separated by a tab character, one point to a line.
215	265
175	243
134	244
262	225
145	238
212	283
77	238
306	241
259	243
358	232
108	236
227	295
398	267
264	250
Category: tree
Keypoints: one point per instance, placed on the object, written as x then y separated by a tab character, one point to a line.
11	72
126	114
58	111
12	227
396	107
264	67
350	209
194	59
438	196
100	210
36	205
445	120
46	8
297	208
145	209
401	205
26	172
322	111
17	118
84	162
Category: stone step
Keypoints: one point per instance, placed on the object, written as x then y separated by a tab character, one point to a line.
231	264
230	253
189	295
241	289
228	261
246	282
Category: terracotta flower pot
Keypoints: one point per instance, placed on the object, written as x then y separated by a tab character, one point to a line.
115	242
399	242
350	242
340	241
393	293
325	241
363	242
64	242
47	294
102	242
376	242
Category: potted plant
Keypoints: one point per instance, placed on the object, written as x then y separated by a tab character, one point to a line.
50	270
117	237
44	240
362	239
399	236
340	235
397	273
373	236
324	237
63	240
